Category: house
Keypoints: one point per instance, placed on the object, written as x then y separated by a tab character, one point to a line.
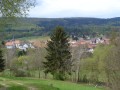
31	46
12	44
22	48
9	45
91	50
78	43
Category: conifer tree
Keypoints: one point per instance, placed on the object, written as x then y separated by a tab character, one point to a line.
58	59
2	62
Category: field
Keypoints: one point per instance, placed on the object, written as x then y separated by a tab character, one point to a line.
14	83
40	38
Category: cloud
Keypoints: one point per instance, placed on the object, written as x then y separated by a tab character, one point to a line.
76	8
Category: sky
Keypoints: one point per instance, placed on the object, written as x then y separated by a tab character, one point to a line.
76	8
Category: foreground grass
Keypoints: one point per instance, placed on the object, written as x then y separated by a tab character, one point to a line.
41	84
14	87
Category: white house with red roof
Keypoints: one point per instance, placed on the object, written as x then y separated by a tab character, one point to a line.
12	44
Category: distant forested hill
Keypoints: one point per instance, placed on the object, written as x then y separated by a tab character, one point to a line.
78	26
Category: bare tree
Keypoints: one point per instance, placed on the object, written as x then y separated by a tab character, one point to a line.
77	55
9	55
37	57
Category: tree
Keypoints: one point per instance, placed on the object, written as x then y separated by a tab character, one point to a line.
93	67
58	60
112	65
20	66
22	53
37	56
78	53
15	8
2	62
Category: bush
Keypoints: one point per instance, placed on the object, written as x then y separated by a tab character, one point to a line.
7	72
85	79
21	73
59	76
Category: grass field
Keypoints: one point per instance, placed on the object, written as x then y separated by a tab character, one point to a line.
14	83
41	38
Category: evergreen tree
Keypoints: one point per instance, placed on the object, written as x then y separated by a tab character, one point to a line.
2	63
22	53
59	57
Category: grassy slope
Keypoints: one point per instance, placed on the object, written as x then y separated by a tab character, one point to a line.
41	84
41	38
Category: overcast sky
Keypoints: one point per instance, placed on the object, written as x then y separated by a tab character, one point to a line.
76	8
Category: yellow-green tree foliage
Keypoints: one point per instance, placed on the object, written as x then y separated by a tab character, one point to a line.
94	67
15	8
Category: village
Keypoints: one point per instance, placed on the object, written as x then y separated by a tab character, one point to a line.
24	45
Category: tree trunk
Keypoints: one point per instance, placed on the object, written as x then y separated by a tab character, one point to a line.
45	75
78	79
39	72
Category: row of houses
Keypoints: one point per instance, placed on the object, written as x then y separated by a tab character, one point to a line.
91	44
24	45
18	44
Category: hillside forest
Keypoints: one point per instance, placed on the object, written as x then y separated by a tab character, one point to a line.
26	27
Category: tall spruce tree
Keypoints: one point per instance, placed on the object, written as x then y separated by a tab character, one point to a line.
2	62
58	59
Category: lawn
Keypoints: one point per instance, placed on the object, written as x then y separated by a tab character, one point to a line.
14	83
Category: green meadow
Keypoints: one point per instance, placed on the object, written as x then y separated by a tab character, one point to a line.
14	83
